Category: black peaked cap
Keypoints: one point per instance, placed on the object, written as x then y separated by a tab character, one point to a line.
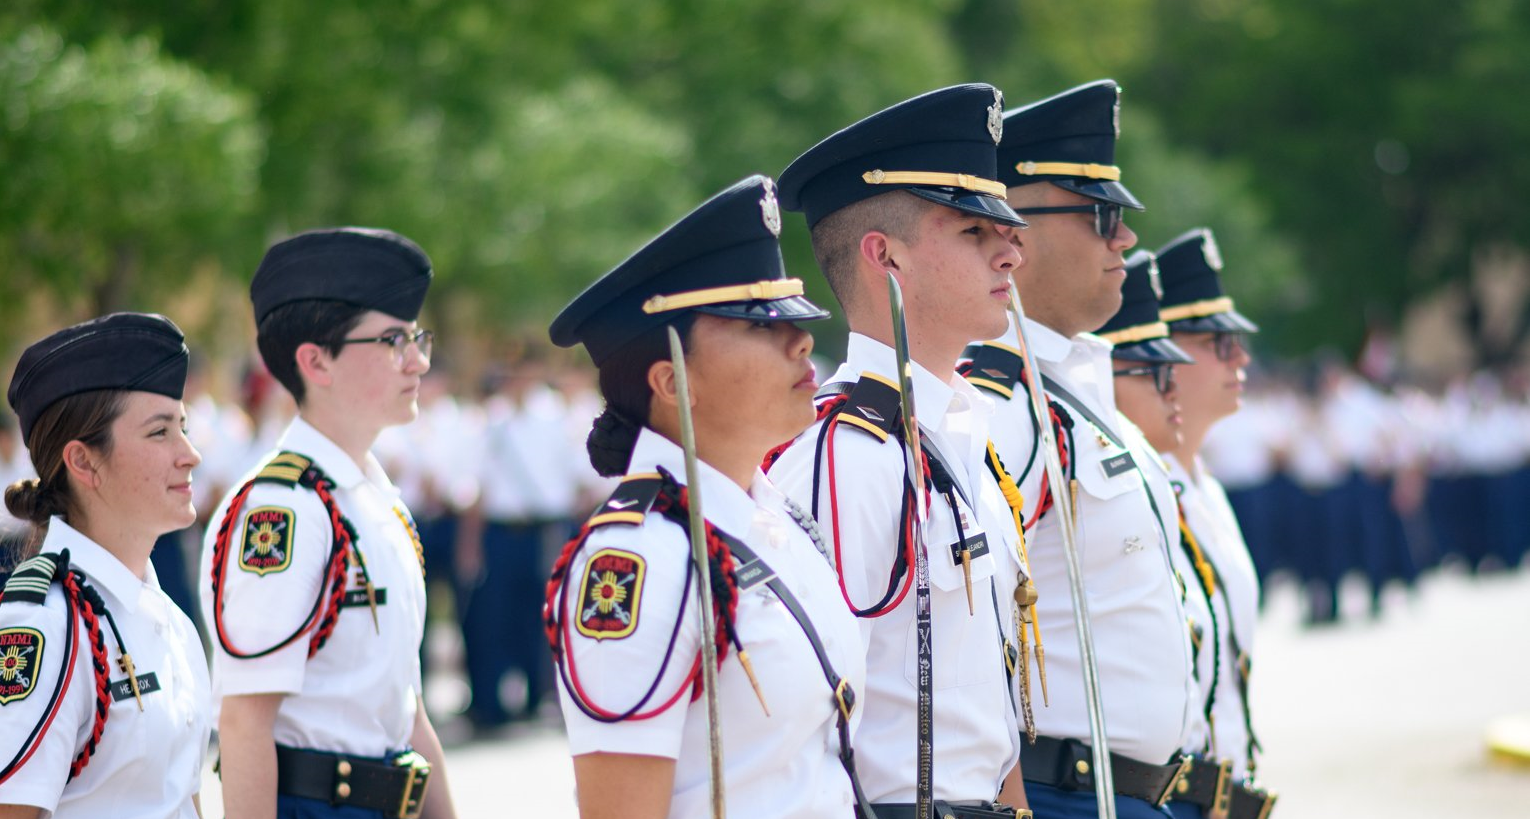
1193	299
1136	330
1068	140
723	258
368	267
945	138
120	351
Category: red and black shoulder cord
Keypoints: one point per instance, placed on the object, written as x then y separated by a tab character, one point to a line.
998	369
1210	580
291	469
30	584
633	500
872	405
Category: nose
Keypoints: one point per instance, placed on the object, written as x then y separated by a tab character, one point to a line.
1008	256
799	342
415	360
1125	238
191	458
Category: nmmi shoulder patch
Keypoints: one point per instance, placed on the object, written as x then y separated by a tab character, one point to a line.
610	594
21	651
265	542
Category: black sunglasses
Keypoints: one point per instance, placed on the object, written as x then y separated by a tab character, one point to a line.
1161	371
1107	217
1227	345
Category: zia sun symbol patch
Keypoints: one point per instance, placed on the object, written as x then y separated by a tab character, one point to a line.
266	545
610	594
20	662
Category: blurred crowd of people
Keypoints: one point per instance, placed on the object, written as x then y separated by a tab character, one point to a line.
1331	475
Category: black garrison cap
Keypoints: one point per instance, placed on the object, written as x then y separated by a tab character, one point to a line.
120	351
723	258
1135	329
1070	141
1193	301
938	146
368	267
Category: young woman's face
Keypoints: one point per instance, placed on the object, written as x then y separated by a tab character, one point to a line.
1155	413
751	379
145	483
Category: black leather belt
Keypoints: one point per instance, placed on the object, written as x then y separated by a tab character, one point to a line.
396	787
1210	786
946	810
1067	764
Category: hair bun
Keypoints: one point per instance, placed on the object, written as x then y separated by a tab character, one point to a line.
611	442
29	501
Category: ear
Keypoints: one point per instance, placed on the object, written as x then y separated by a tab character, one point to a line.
313	364
661	381
81	463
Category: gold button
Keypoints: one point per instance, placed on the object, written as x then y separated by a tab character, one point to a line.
343	790
343	768
1183	786
1081	766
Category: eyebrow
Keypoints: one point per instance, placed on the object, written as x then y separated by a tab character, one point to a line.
163	417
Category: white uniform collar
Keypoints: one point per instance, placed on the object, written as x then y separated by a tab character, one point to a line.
725	504
1048	344
932	394
102	567
302	438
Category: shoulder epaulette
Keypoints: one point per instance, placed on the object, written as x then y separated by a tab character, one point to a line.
286	468
31	580
995	367
873	405
630	503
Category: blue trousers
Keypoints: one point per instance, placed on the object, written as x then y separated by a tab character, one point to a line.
296	807
1055	803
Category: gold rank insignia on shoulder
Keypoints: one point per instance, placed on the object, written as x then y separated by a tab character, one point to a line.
21	652
266	544
610	594
770	209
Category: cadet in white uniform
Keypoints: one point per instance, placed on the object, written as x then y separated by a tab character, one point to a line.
910	192
1057	159
622	605
103	681
1204	323
311	573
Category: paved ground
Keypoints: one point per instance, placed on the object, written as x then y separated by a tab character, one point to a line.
1382	718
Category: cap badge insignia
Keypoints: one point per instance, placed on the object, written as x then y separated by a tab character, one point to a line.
996	116
1115	114
20	662
770	209
1210	251
610	594
1155	279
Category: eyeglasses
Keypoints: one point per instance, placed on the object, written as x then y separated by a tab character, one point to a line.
1227	345
1161	371
399	341
1107	216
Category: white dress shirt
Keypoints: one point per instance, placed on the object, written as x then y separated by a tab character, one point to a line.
976	730
785	764
357	695
149	762
1142	645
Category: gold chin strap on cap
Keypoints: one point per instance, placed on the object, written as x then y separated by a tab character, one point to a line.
1142	332
772	289
1197	309
1090	170
944	180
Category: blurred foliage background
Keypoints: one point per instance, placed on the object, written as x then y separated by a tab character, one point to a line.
1355	157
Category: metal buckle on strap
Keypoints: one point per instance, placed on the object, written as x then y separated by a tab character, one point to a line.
1168	788
413	800
1221	797
844	698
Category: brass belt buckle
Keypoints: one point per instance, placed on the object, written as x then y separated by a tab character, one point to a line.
413	800
844	698
1221	796
1168	788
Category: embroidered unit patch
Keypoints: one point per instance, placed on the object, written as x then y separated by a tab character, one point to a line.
21	651
610	594
267	543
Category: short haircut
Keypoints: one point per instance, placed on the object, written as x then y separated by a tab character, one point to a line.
284	329
837	238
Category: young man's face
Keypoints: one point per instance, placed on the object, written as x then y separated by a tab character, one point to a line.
371	378
957	270
1072	277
